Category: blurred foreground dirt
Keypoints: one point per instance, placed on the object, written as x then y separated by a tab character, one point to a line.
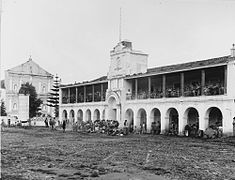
39	153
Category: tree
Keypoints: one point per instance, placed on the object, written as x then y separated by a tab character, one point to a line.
3	108
53	100
34	102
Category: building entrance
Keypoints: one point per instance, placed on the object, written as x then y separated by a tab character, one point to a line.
113	110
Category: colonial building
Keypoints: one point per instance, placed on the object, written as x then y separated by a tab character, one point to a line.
27	72
199	92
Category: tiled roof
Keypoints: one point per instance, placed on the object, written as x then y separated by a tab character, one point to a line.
170	68
103	78
185	66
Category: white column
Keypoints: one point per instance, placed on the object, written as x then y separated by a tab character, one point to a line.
230	79
75	115
164	122
149	121
60	114
228	121
182	122
136	121
203	120
92	115
118	117
84	115
106	112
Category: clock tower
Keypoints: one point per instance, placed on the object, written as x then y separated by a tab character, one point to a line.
126	61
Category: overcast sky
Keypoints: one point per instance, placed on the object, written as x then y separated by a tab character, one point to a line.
73	38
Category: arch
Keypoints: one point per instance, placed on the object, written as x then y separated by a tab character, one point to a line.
103	114
129	116
88	115
112	108
192	116
155	118
172	116
214	117
112	101
142	119
14	106
113	95
64	115
96	115
80	115
191	122
71	116
155	115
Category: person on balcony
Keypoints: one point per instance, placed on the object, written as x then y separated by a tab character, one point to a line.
233	126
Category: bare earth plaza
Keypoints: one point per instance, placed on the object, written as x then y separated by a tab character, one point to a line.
134	122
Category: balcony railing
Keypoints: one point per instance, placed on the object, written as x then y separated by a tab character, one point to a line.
189	91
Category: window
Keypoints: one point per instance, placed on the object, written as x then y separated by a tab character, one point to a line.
15	87
44	89
14	106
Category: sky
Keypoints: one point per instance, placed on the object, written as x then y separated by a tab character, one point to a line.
73	38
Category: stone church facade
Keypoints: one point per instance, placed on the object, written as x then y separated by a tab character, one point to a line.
199	92
27	72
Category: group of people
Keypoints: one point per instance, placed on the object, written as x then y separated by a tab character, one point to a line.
101	126
191	130
50	122
111	127
215	88
192	89
213	131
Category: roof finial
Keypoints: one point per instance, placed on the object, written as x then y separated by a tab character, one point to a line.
233	51
120	26
30	58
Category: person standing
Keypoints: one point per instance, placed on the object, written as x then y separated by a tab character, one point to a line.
9	122
64	125
125	127
46	122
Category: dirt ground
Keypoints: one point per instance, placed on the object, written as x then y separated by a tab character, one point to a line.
39	153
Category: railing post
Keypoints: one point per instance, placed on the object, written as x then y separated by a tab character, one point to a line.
164	85
93	93
101	92
203	80
149	87
136	88
68	95
84	93
225	79
76	100
182	83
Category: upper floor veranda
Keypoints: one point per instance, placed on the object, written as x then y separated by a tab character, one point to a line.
212	77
